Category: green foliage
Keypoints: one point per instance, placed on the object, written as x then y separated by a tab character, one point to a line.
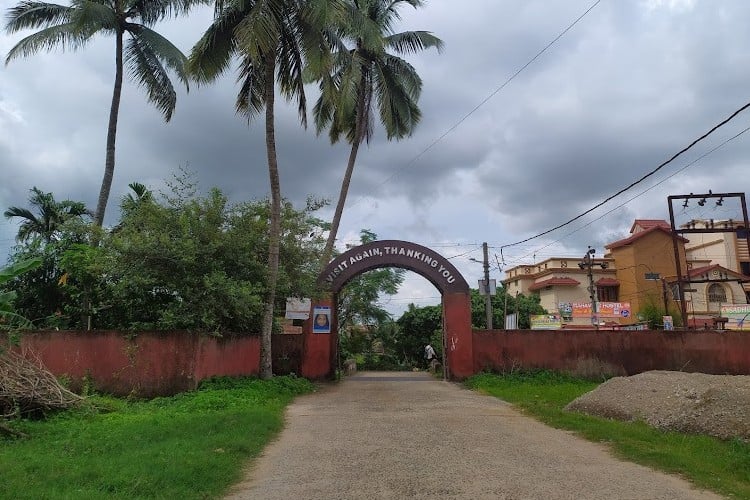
419	326
10	320
46	224
654	314
358	302
194	445
525	305
179	261
721	466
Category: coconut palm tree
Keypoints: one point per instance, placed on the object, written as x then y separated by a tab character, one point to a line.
51	215
147	55
272	39
363	73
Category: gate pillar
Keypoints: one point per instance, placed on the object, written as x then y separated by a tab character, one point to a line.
458	335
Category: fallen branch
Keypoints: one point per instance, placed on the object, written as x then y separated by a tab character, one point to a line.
26	386
7	431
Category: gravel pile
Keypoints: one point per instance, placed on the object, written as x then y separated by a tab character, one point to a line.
717	405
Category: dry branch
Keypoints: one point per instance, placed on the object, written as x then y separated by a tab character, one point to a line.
26	386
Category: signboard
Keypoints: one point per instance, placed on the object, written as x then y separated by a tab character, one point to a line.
511	322
321	319
605	309
613	309
668	323
483	289
581	309
738	316
545	321
566	310
297	308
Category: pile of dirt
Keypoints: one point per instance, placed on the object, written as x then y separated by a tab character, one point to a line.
717	405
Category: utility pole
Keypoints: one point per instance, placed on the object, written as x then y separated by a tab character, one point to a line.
664	293
588	264
487	296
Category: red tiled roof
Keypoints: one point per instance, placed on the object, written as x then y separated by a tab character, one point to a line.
641	234
607	282
649	223
707	269
554	282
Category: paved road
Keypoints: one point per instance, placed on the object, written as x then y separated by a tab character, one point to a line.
407	435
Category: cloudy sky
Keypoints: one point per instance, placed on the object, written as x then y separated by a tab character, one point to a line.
496	158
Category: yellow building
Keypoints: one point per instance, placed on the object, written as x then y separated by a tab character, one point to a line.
640	270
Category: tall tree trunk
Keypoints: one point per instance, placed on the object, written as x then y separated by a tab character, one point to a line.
109	164
274	232
358	137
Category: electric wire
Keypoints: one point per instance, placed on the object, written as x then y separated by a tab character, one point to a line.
644	177
484	101
690	164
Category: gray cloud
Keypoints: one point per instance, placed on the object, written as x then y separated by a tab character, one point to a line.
628	86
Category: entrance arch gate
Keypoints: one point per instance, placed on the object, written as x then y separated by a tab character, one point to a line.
427	263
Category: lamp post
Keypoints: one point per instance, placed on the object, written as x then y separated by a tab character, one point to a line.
588	264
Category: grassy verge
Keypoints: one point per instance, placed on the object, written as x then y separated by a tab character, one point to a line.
193	445
720	466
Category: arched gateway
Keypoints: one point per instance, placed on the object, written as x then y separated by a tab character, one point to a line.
425	262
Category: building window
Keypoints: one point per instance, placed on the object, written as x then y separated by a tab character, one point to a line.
564	263
745	268
607	293
716	296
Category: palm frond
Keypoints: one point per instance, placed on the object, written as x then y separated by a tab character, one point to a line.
289	68
251	97
91	16
64	36
149	12
405	74
33	15
411	42
211	56
258	32
169	55
399	113
146	69
23	213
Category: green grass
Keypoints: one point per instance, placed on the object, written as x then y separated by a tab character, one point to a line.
710	463
193	445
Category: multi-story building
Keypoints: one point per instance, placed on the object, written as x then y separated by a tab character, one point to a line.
640	271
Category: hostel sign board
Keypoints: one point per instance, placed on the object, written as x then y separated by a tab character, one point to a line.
605	309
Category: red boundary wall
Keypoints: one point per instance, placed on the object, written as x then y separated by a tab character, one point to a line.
148	364
631	352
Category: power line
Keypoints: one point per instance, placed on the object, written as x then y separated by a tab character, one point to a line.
686	166
662	165
486	99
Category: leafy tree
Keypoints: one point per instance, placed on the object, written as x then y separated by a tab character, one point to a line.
361	73
272	40
358	301
653	312
139	196
50	216
10	320
182	261
419	326
40	293
198	263
147	55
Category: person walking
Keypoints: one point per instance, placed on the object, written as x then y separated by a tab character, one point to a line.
429	355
